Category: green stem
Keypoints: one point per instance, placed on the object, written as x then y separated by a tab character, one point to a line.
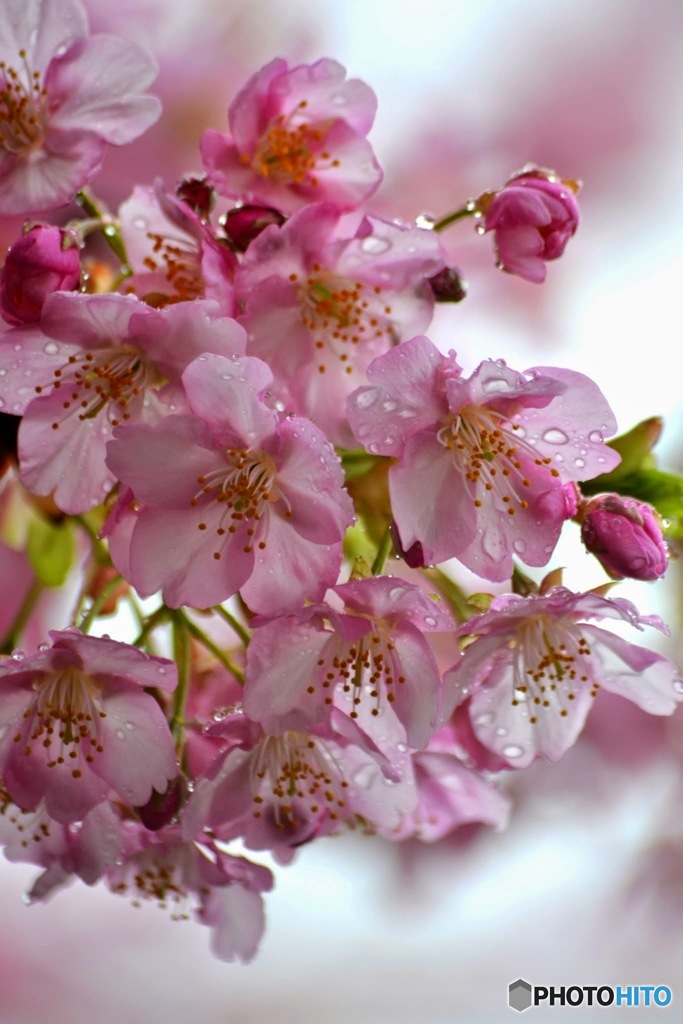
386	545
152	622
456	599
210	646
109	229
99	603
23	615
181	654
242	632
467	210
98	547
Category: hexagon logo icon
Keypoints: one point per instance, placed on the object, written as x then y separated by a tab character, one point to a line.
519	995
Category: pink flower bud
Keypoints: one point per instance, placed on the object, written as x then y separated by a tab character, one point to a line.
533	217
625	535
448	285
39	263
198	195
245	223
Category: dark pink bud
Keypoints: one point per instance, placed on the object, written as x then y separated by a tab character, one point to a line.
625	535
245	223
43	261
198	195
162	808
533	217
448	285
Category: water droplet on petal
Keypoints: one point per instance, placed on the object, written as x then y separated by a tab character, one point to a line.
430	620
595	437
120	734
389	405
402	748
678	685
579	463
555	436
512	750
484	719
18	654
500	731
375	246
51	349
140	223
519	545
17	348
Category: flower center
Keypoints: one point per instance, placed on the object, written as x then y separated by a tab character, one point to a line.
32	826
23	108
298	775
366	669
291	150
111	378
551	662
488	457
340	314
243	488
177	259
159	876
65	717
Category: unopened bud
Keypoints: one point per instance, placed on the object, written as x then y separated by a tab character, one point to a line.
198	195
448	285
39	263
245	223
626	537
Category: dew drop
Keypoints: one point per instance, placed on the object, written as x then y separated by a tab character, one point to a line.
129	726
120	734
227	376
17	348
555	436
402	748
678	685
484	719
140	222
51	349
430	620
375	246
495	384
500	731
3	372
579	463
519	545
512	750
43	647
389	405
18	654
595	437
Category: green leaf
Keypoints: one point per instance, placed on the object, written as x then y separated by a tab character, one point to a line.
663	490
635	448
50	549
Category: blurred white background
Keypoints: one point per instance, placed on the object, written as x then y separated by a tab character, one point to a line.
586	885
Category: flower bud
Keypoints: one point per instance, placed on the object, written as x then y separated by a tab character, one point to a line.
39	263
448	285
198	195
245	223
626	537
533	217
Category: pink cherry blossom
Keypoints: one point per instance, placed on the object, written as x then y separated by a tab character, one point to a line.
175	256
484	460
93	362
44	260
533	217
341	290
280	791
372	658
64	95
297	136
85	850
76	723
230	497
626	536
224	891
527	681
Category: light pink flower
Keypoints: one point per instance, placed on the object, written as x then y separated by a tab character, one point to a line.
484	460
625	535
224	891
86	849
44	260
369	659
63	96
297	136
175	256
93	362
278	792
323	295
230	497
527	681
533	217
76	723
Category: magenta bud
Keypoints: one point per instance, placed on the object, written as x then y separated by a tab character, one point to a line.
533	217
198	195
43	261
448	285
414	556
245	223
162	808
626	537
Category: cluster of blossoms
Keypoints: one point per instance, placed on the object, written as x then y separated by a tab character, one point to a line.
239	418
